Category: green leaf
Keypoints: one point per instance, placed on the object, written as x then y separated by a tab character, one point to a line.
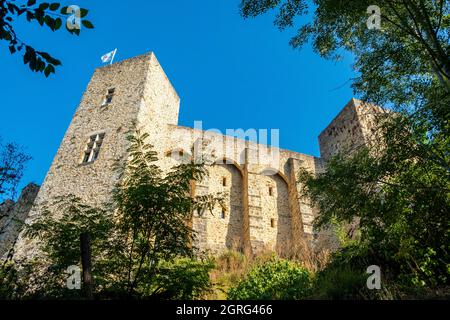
12	49
31	3
64	10
54	6
87	24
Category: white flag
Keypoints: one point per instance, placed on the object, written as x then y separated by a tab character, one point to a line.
109	57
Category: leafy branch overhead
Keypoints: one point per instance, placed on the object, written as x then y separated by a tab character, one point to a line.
51	15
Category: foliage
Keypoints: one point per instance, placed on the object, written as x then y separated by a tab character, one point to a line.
154	211
273	280
59	227
404	63
339	283
229	268
140	243
8	278
397	187
12	165
43	13
400	198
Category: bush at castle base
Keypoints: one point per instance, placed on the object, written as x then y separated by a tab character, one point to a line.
274	280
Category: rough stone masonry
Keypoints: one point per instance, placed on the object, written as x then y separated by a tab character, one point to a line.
264	208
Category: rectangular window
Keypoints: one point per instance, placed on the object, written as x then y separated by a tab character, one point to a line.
272	223
224	214
93	148
270	191
109	96
224	181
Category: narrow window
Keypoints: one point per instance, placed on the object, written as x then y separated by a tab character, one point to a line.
93	148
270	191
272	223
224	181
223	215
109	96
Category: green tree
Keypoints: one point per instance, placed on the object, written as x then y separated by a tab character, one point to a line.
43	13
140	243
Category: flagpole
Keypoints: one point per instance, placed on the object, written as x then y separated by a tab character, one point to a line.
114	55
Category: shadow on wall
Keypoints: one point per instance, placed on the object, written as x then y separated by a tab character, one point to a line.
234	237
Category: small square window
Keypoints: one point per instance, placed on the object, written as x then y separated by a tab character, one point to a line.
93	148
109	96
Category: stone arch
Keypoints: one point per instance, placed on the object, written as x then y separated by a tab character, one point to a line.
277	219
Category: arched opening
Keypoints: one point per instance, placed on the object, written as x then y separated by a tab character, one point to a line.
276	216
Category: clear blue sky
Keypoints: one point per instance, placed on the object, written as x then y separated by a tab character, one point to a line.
229	73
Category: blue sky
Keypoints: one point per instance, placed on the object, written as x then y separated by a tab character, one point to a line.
229	72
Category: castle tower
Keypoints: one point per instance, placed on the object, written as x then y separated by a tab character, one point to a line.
118	97
352	128
265	209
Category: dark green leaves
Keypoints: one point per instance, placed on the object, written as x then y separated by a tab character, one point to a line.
40	61
45	14
44	6
12	165
83	12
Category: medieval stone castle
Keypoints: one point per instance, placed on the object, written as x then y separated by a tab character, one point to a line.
264	209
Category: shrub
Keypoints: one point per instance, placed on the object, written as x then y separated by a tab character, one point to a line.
276	279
